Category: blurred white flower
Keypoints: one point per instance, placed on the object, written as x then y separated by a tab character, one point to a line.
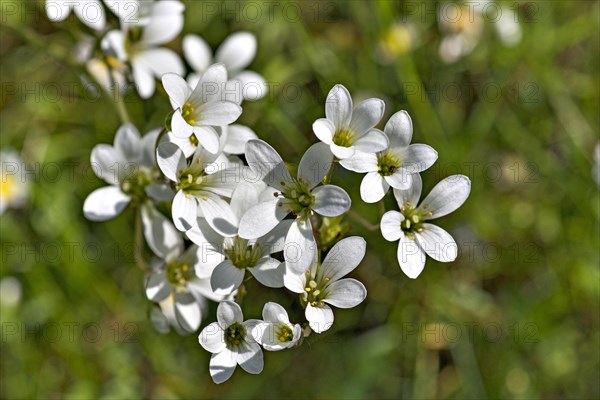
462	26
10	291
416	236
90	12
198	110
321	286
200	185
276	332
596	167
129	167
392	167
231	343
143	28
346	130
236	52
298	195
13	185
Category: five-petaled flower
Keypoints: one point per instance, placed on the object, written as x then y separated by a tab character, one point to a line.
416	236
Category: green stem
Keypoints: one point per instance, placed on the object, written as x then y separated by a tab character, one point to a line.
329	175
362	221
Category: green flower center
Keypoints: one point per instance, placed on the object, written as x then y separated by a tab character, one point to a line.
235	334
300	199
135	183
284	333
179	274
187	112
192	179
413	219
387	164
242	254
314	292
193	140
343	137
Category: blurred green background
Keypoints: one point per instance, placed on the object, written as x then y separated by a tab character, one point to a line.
516	316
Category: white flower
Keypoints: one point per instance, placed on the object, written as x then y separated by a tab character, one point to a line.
13	185
321	284
148	26
394	166
196	111
231	343
129	169
276	332
232	139
416	236
174	282
298	195
236	52
200	185
346	130
90	12
239	255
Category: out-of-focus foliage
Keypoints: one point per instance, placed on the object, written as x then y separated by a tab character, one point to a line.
517	315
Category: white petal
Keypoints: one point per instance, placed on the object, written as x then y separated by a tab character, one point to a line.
373	187
238	136
177	89
324	130
410	257
160	61
187	311
144	81
166	21
160	192
269	272
197	52
343	258
184	211
447	196
366	115
390	225
211	338
315	164
267	164
229	312
261	219
341	152
320	318
330	200
338	106
410	195
128	142
218	214
226	278
273	312
171	160
108	163
437	243
294	282
160	234
180	128
218	113
345	293
372	142
149	148
222	182
58	10
105	203
299	246
399	129
222	365
244	197
157	286
400	179
211	85
208	138
250	357
253	87
361	162
274	241
419	157
237	51
90	13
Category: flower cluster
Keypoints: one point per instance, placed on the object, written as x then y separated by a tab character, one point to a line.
218	206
